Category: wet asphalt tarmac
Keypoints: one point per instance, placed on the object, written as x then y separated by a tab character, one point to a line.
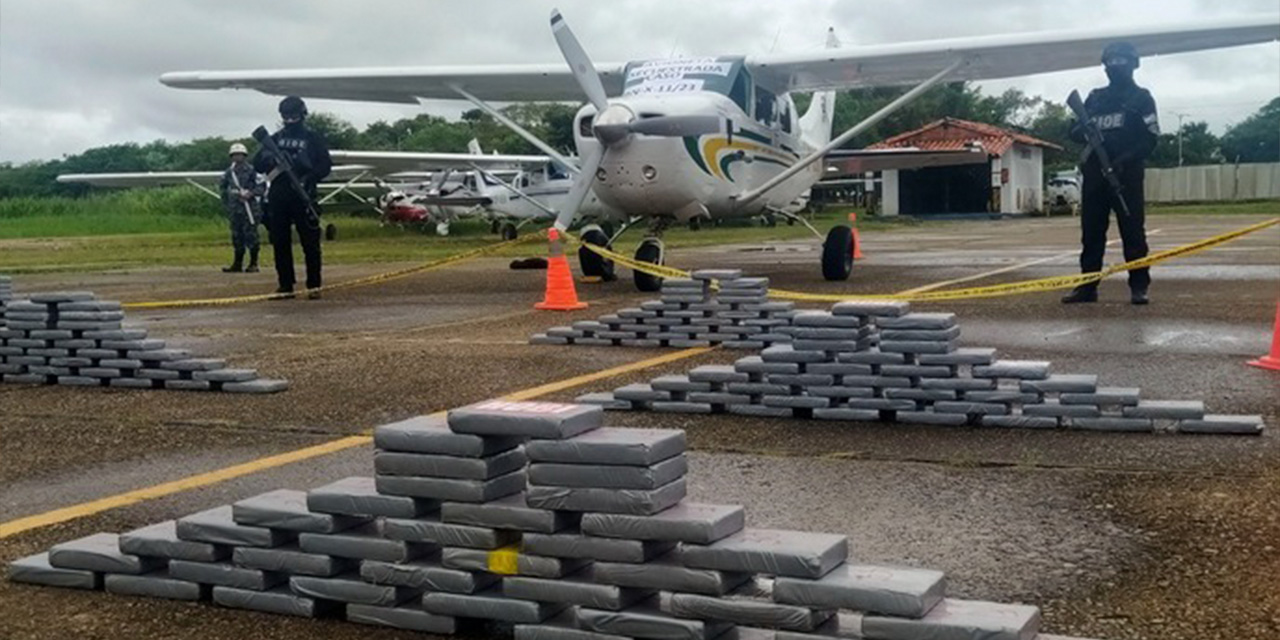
1051	518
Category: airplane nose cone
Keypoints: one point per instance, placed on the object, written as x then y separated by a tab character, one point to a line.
613	124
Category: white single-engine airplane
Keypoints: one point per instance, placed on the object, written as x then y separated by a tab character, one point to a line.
718	137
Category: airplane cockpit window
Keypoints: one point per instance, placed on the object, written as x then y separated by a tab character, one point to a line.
785	117
556	172
584	126
469	182
741	87
765	105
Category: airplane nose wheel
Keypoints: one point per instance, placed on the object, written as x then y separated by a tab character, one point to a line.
650	250
508	231
837	253
593	265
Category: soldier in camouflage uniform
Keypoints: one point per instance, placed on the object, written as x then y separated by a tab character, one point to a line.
242	190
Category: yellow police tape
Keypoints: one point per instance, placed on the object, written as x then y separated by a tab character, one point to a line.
992	291
505	561
358	282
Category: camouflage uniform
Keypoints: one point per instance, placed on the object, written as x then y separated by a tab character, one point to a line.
244	233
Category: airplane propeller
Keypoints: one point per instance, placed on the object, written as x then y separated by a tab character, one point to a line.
612	124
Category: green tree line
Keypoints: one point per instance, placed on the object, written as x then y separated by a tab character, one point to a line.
1255	139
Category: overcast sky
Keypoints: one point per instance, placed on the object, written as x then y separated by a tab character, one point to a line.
76	74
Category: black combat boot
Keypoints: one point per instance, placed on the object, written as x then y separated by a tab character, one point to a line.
1139	296
1081	294
237	265
253	261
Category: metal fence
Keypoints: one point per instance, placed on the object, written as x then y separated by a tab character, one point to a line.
1214	183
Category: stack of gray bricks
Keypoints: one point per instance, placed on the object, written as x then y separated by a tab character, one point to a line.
713	307
6	294
72	338
600	544
872	360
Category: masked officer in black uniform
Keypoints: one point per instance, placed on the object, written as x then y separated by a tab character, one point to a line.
309	155
1126	115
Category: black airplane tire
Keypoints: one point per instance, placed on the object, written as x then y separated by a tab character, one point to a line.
593	264
508	231
650	250
331	232
837	254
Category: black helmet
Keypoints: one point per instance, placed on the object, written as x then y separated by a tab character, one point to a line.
293	106
1120	54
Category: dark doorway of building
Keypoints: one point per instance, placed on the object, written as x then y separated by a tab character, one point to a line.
956	189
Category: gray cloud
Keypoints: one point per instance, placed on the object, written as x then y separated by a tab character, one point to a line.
81	73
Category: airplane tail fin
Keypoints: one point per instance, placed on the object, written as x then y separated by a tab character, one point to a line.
815	124
473	148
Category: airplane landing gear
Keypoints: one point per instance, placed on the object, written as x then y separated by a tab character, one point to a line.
593	265
651	250
495	226
442	228
695	224
837	253
331	232
508	231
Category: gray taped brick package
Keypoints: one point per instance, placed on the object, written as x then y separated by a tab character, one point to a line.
452	489
100	552
693	522
667	574
364	543
447	535
358	496
510	512
216	526
408	617
773	552
350	588
890	591
608	477
568	545
287	509
554	629
399	463
546	420
579	589
633	501
428	434
225	574
648	622
156	584
37	570
610	446
292	560
279	601
428	575
959	620
490	605
161	540
526	565
750	611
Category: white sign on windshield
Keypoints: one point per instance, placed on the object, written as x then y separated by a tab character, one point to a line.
664	86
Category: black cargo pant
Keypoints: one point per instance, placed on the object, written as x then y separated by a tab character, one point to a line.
286	214
1098	200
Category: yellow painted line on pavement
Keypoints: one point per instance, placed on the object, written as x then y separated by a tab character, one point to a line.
1012	267
64	514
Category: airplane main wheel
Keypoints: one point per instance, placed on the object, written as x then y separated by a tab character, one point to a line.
331	232
650	250
593	264
770	221
495	226
695	224
508	231
837	253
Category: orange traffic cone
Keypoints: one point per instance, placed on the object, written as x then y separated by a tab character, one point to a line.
560	295
857	243
1271	360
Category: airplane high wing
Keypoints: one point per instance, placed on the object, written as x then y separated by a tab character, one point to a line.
403	162
171	178
986	57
